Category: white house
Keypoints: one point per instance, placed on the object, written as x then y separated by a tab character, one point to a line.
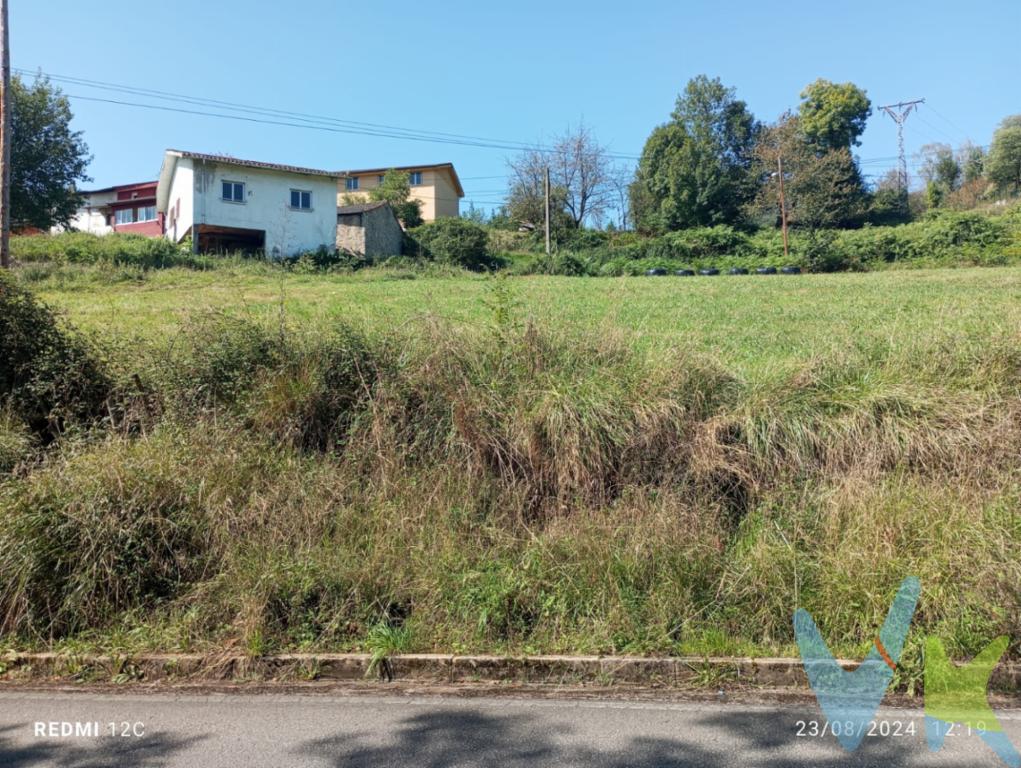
124	208
222	203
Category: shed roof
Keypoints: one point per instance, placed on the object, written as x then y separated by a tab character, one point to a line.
347	210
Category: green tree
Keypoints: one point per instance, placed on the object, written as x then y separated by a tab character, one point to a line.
833	115
395	188
823	189
940	166
696	169
941	171
972	161
48	159
1003	163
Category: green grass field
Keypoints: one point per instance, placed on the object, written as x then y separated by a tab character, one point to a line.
754	325
269	460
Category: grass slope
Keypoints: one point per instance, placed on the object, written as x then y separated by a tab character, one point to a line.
526	464
751	324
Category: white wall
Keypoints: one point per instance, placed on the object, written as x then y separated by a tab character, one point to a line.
182	194
266	206
88	218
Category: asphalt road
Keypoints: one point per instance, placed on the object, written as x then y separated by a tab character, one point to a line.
207	731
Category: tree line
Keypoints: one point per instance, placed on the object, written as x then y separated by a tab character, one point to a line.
711	163
714	163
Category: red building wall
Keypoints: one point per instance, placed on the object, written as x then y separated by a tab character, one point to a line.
136	198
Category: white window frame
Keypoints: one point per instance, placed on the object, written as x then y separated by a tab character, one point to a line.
132	216
234	186
351	184
415	178
143	211
300	193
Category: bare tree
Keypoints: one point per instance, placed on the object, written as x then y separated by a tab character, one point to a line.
621	178
581	176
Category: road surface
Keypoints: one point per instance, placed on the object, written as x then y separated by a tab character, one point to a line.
279	730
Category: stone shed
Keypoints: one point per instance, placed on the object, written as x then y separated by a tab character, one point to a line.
369	229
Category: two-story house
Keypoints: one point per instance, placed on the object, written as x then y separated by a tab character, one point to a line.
128	208
223	204
437	186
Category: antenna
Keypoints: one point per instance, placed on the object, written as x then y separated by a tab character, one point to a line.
899	112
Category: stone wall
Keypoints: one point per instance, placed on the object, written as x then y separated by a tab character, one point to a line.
373	232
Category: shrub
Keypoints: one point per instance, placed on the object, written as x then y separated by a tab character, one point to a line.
311	400
49	375
454	241
215	360
708	242
582	239
109	527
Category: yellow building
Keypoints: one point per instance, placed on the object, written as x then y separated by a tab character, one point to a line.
437	186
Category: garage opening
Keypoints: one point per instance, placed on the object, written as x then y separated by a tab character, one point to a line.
215	239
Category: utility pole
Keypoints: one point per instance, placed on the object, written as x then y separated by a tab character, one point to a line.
546	190
783	204
5	140
899	113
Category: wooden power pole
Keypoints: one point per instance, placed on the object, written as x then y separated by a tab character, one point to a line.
5	140
545	189
783	204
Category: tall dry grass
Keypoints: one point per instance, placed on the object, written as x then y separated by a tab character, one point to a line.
516	487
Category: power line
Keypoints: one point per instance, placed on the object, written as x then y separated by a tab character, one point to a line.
292	119
948	121
937	129
235	106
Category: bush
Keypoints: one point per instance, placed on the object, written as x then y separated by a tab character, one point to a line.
215	361
311	401
105	529
707	242
454	241
49	375
583	239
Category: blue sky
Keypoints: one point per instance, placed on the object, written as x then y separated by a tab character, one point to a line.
519	71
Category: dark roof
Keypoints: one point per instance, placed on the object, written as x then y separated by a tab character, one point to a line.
347	210
117	187
227	159
427	167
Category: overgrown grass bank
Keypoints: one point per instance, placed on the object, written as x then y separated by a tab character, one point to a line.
513	485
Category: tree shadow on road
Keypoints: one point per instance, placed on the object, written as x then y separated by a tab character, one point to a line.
106	752
458	736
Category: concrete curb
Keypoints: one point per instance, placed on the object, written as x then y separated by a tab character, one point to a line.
659	672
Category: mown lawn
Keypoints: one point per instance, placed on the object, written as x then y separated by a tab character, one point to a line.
753	325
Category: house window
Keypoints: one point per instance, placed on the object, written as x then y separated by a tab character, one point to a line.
351	183
124	215
233	191
301	199
415	177
148	213
379	179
